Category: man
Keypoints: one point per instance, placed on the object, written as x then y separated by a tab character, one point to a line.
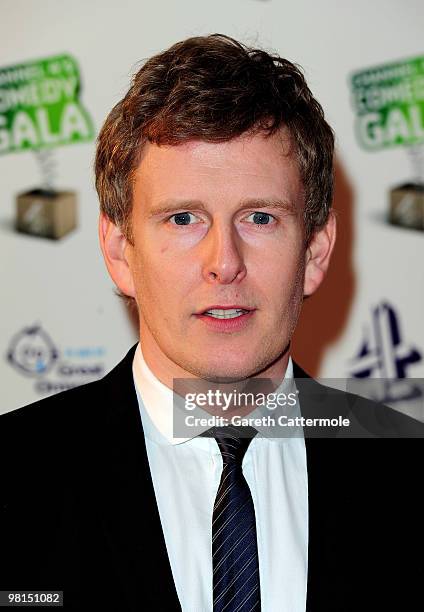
214	175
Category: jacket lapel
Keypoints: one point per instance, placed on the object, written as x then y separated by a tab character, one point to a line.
335	484
127	502
317	496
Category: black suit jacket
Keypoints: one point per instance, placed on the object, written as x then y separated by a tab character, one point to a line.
78	511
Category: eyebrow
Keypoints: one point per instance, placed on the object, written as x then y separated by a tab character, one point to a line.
171	206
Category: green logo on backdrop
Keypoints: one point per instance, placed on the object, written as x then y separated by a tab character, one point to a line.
40	107
389	103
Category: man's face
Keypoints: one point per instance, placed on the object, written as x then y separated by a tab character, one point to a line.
218	226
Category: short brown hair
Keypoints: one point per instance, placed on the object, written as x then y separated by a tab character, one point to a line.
213	88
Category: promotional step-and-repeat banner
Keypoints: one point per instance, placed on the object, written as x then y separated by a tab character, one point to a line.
64	66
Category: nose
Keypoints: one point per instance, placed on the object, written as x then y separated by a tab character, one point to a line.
223	260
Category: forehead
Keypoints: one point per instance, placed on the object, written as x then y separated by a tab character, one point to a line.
246	166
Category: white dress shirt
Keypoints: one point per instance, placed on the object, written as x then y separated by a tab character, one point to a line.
186	475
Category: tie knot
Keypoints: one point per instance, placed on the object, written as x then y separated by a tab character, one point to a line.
233	442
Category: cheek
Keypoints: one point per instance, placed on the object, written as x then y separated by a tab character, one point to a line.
290	288
161	278
284	269
143	272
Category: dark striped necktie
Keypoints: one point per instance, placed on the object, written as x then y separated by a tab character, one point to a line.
236	585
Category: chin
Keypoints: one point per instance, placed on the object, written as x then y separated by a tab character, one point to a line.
222	372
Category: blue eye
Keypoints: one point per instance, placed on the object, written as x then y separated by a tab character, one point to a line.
181	218
261	218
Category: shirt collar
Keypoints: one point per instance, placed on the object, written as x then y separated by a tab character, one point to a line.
156	402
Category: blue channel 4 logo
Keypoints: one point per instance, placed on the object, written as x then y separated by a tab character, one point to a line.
384	353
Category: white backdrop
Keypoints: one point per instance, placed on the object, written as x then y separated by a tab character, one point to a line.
62	286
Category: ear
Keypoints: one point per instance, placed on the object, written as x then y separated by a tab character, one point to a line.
114	247
318	255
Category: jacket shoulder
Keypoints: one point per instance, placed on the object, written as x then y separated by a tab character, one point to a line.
53	409
367	417
85	402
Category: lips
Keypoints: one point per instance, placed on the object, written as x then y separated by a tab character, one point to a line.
228	313
224	309
226	319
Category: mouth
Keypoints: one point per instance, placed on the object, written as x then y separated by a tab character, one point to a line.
225	312
226	319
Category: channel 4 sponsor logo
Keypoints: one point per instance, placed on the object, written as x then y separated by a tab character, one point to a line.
385	354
